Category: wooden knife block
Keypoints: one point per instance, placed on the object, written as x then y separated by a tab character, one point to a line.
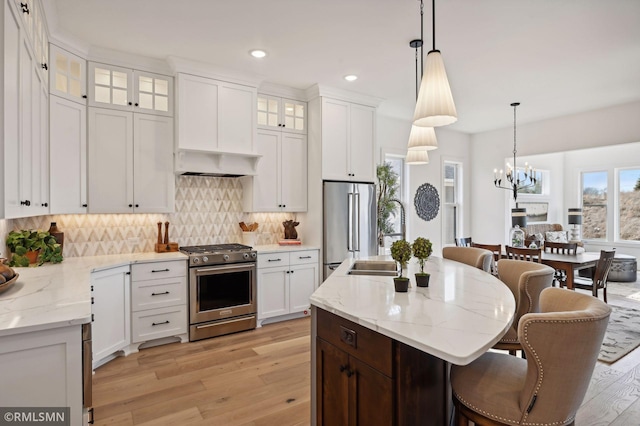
164	248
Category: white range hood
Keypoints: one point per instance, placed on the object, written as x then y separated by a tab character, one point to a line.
215	163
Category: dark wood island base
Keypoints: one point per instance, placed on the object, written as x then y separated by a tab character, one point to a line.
365	378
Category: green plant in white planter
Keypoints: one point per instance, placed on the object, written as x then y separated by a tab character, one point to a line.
401	253
422	249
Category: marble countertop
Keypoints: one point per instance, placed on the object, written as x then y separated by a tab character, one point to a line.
462	313
51	296
274	248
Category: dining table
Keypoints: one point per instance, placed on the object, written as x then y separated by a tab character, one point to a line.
570	263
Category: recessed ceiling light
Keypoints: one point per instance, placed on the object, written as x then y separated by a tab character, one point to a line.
351	77
258	53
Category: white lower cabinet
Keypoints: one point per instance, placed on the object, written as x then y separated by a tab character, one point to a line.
43	369
158	301
286	280
111	312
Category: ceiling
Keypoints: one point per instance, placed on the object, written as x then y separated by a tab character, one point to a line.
556	57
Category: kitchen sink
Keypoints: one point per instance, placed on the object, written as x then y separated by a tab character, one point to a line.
385	268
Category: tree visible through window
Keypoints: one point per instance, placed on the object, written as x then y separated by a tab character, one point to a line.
629	204
594	205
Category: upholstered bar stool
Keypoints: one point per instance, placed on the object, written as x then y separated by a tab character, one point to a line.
526	280
480	258
562	343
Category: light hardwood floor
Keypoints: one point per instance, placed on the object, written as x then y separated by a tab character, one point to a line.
262	377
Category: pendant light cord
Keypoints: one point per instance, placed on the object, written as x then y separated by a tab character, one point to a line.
417	73
422	40
433	17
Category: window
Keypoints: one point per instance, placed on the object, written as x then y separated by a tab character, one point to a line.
397	165
594	205
628	211
452	202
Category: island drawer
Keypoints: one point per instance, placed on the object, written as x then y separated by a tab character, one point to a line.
366	345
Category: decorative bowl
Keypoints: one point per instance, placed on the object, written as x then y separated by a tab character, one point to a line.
4	286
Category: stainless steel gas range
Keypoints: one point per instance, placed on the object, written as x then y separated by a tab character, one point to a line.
222	289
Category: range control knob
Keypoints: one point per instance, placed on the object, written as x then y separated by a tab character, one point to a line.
225	257
245	255
196	260
205	259
253	255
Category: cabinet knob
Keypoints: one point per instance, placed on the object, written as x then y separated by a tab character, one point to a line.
137	205
130	205
25	8
45	204
45	67
84	205
130	103
25	203
136	104
84	96
284	125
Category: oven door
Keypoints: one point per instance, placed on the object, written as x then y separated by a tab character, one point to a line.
220	292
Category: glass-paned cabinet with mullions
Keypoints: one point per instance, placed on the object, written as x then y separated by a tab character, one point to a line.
282	114
110	86
68	73
153	93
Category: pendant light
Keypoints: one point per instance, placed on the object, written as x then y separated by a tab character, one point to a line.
435	105
421	139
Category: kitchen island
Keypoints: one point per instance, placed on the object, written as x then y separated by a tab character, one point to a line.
382	357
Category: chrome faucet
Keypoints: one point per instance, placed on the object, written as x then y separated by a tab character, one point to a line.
403	226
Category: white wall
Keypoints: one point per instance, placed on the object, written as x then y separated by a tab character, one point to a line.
393	135
488	150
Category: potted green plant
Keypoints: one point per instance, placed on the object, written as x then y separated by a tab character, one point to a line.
422	249
33	246
401	253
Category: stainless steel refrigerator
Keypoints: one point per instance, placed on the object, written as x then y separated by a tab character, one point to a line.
350	224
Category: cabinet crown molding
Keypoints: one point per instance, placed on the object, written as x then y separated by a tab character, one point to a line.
273	89
203	69
318	90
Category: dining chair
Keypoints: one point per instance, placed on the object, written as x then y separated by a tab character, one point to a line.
527	254
560	248
526	280
600	276
480	258
496	249
463	242
562	343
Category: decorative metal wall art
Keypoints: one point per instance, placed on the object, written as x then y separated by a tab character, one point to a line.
427	202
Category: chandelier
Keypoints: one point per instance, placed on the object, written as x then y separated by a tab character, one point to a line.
515	179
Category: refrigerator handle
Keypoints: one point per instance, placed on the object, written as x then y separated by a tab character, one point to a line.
350	222
356	219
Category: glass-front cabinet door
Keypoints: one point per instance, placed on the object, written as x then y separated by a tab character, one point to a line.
110	86
130	90
276	113
154	93
68	75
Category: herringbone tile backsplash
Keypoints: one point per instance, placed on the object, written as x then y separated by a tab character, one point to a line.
208	210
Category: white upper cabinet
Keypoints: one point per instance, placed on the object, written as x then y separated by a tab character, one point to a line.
276	113
130	166
348	141
215	116
69	75
68	156
25	132
280	184
130	90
